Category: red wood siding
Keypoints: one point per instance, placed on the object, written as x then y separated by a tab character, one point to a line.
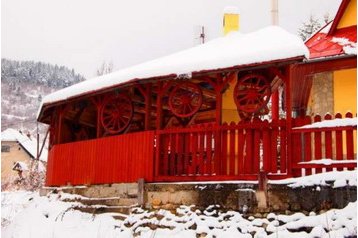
115	159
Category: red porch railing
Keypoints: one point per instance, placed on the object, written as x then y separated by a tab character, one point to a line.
212	152
317	150
205	152
115	159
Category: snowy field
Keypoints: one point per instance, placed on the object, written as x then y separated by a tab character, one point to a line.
27	215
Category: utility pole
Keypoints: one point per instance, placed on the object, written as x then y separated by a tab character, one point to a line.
202	35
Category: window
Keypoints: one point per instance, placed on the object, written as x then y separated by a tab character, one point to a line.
5	148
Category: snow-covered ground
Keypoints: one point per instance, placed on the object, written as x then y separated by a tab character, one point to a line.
26	215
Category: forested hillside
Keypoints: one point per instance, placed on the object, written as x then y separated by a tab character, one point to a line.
23	84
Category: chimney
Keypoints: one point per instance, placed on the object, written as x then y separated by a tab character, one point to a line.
231	19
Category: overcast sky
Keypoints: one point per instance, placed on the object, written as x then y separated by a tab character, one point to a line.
81	34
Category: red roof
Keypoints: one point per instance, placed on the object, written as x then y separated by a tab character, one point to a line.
330	41
323	45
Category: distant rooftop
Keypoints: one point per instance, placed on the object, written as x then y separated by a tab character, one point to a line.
28	143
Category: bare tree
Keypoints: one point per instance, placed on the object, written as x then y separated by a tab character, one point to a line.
105	68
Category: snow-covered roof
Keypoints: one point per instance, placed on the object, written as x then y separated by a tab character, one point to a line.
233	50
231	10
28	143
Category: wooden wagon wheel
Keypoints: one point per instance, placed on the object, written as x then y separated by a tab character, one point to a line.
185	99
252	93
116	113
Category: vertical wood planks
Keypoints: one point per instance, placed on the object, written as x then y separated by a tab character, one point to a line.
114	159
317	143
232	149
350	140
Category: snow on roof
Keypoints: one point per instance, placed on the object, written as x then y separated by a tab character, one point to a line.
231	10
338	122
233	50
342	41
29	144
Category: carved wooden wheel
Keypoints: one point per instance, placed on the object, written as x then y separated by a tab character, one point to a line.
116	113
185	99
252	93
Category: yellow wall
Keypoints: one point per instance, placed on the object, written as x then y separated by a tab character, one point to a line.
231	22
17	153
349	17
345	91
229	109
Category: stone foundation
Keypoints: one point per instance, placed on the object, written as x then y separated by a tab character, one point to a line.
243	197
246	198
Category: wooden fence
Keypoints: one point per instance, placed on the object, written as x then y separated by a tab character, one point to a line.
232	151
212	152
322	148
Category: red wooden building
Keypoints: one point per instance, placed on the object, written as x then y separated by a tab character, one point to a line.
168	120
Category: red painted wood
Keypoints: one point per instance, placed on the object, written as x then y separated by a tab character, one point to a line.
201	150
296	145
232	149
185	154
307	144
179	154
187	146
350	140
317	143
275	106
105	160
339	143
266	146
217	151
249	151
256	152
328	141
283	144
195	153
164	144
252	177
240	145
209	149
273	157
224	146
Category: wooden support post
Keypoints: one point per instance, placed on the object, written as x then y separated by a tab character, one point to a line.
60	112
159	106
288	73
218	111
275	105
43	144
148	106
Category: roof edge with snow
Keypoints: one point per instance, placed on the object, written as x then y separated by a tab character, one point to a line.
268	45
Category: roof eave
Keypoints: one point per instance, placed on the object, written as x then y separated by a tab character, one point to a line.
284	61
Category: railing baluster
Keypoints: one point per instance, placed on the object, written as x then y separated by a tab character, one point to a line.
350	140
232	149
318	143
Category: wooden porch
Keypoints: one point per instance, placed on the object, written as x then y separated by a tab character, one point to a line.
207	152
